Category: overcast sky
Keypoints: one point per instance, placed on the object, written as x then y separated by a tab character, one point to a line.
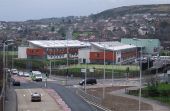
16	10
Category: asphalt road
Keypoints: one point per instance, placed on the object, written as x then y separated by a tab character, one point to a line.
71	99
25	104
67	94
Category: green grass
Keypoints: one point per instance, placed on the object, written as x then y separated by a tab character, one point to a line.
164	86
163	90
10	52
114	67
162	99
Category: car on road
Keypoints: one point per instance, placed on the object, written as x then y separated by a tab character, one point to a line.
16	83
36	76
36	97
88	81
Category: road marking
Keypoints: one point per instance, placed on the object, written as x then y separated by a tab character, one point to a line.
30	91
75	86
24	95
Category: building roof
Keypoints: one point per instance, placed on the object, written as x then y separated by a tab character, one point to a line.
150	46
114	46
59	43
141	42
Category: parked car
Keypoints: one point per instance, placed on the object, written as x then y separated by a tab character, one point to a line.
35	97
88	81
14	71
15	83
20	73
26	74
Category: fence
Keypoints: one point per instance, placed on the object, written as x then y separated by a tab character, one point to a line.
1	100
92	99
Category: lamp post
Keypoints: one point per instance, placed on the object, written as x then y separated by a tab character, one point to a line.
5	43
112	69
3	90
140	77
149	54
104	71
50	67
67	62
12	57
140	84
85	78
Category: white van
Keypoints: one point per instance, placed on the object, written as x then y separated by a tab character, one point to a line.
36	76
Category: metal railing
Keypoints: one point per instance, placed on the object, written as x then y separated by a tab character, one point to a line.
2	101
96	101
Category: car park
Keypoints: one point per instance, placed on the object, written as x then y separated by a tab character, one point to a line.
35	97
88	81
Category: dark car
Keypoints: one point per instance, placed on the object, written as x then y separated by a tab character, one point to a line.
88	81
16	83
35	97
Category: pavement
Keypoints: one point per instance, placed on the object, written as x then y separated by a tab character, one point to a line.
157	106
11	100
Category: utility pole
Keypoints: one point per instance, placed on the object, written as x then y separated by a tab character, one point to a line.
67	62
3	90
104	72
140	84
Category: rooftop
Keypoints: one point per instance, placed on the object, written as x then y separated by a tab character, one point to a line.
114	46
59	43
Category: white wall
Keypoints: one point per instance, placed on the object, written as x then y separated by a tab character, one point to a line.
118	55
22	52
84	53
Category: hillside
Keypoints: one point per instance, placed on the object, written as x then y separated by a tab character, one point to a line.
136	9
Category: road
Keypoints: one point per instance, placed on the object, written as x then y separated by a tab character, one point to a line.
25	104
67	94
107	82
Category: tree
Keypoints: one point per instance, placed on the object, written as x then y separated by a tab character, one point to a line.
164	24
52	29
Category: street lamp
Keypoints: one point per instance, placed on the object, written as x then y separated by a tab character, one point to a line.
67	61
140	84
5	43
104	71
112	68
140	80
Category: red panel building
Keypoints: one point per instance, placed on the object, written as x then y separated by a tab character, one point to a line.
115	52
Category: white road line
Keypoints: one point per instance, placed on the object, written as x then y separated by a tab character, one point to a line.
30	91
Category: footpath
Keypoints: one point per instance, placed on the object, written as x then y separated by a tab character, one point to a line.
11	100
157	106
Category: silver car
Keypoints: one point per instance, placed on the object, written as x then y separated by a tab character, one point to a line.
35	97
